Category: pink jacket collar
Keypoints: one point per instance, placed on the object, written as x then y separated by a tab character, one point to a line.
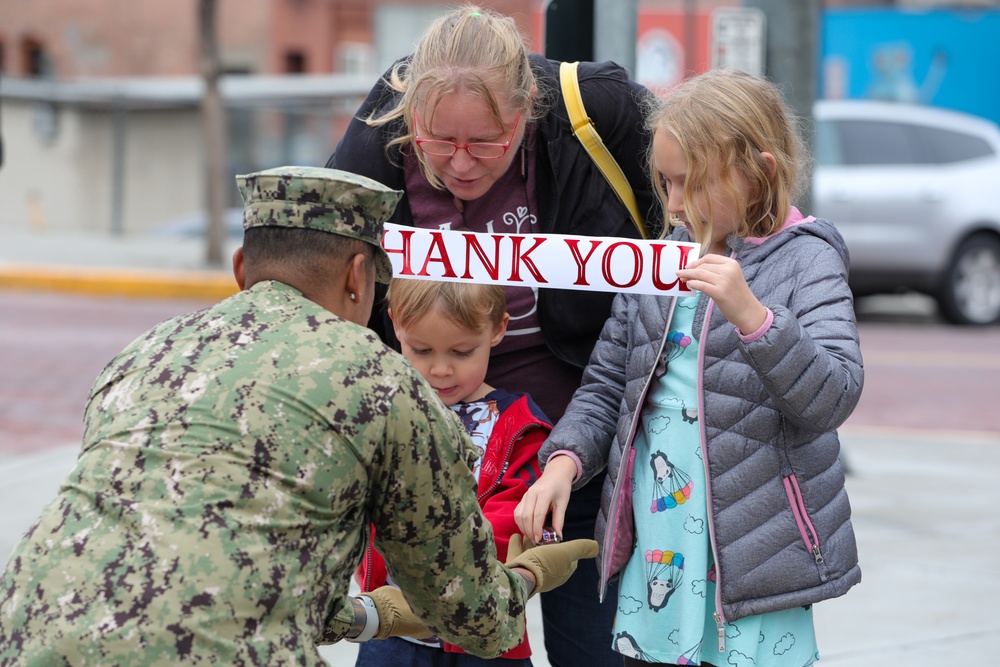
795	217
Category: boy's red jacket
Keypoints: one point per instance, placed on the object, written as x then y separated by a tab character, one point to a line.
509	467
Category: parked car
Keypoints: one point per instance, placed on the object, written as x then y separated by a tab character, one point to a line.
915	191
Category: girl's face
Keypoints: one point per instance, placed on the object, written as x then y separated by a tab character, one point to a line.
669	160
450	357
463	118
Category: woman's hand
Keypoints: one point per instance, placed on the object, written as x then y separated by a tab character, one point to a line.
721	278
549	494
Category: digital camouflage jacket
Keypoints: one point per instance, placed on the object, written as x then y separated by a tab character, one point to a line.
233	462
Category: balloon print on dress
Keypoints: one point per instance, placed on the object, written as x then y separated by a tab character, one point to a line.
677	342
671	486
690	656
664	573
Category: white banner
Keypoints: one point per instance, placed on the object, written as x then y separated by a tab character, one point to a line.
593	263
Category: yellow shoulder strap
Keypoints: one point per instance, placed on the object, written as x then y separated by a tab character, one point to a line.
584	130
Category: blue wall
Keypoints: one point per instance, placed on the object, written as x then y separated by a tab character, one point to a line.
942	58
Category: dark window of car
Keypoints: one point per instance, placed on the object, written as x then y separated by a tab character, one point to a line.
951	146
870	142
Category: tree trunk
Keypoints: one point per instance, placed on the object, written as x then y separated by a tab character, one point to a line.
213	121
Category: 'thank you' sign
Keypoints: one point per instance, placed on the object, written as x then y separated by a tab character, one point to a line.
592	263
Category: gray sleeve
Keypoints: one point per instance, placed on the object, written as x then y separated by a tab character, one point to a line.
810	358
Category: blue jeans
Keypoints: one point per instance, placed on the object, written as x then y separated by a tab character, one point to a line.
578	628
395	652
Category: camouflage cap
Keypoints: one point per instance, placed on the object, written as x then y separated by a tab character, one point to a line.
329	200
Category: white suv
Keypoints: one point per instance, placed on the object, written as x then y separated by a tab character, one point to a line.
916	193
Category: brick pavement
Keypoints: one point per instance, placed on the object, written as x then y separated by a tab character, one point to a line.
929	376
925	376
52	347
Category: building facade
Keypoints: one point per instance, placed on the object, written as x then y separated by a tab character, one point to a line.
99	99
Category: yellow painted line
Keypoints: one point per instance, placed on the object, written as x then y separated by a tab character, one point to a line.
973	360
209	285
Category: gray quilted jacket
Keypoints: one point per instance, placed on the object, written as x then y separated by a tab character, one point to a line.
768	409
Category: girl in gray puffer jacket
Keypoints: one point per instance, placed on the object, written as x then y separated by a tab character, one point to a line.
724	513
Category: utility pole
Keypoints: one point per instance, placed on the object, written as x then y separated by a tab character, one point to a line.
619	22
570	33
791	60
213	121
569	30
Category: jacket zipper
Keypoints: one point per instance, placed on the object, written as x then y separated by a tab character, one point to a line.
612	527
506	460
720	626
806	529
503	469
719	616
369	557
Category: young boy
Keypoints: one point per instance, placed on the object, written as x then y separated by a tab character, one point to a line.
446	330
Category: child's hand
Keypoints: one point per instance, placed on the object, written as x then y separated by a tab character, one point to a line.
550	565
721	278
549	494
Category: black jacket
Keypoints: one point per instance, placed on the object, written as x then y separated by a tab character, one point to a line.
573	197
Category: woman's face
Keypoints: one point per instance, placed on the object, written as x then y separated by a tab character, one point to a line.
463	118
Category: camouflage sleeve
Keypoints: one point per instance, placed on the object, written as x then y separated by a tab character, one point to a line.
338	622
437	545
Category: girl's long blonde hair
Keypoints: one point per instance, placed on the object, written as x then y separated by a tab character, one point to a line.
723	120
472	50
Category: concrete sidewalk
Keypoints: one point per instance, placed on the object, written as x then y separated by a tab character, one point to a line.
925	507
928	531
28	483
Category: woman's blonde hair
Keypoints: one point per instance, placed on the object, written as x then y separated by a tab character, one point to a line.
472	50
472	306
723	120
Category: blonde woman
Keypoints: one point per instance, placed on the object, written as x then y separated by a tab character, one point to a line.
473	128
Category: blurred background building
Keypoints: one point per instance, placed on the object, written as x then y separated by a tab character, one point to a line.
100	99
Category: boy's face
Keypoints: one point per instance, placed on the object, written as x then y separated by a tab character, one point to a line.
450	357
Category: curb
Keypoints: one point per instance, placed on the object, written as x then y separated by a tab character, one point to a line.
208	285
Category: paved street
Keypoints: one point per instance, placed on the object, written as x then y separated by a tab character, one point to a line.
52	346
921	375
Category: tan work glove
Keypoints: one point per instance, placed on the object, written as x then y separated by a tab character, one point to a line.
395	619
550	564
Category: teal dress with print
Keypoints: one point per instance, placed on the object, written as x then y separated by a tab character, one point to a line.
667	595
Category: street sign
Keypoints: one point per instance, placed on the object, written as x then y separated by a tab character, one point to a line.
738	39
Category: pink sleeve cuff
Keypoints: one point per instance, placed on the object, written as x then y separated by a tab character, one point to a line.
576	460
761	330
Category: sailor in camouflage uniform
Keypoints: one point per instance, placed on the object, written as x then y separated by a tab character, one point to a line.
234	458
